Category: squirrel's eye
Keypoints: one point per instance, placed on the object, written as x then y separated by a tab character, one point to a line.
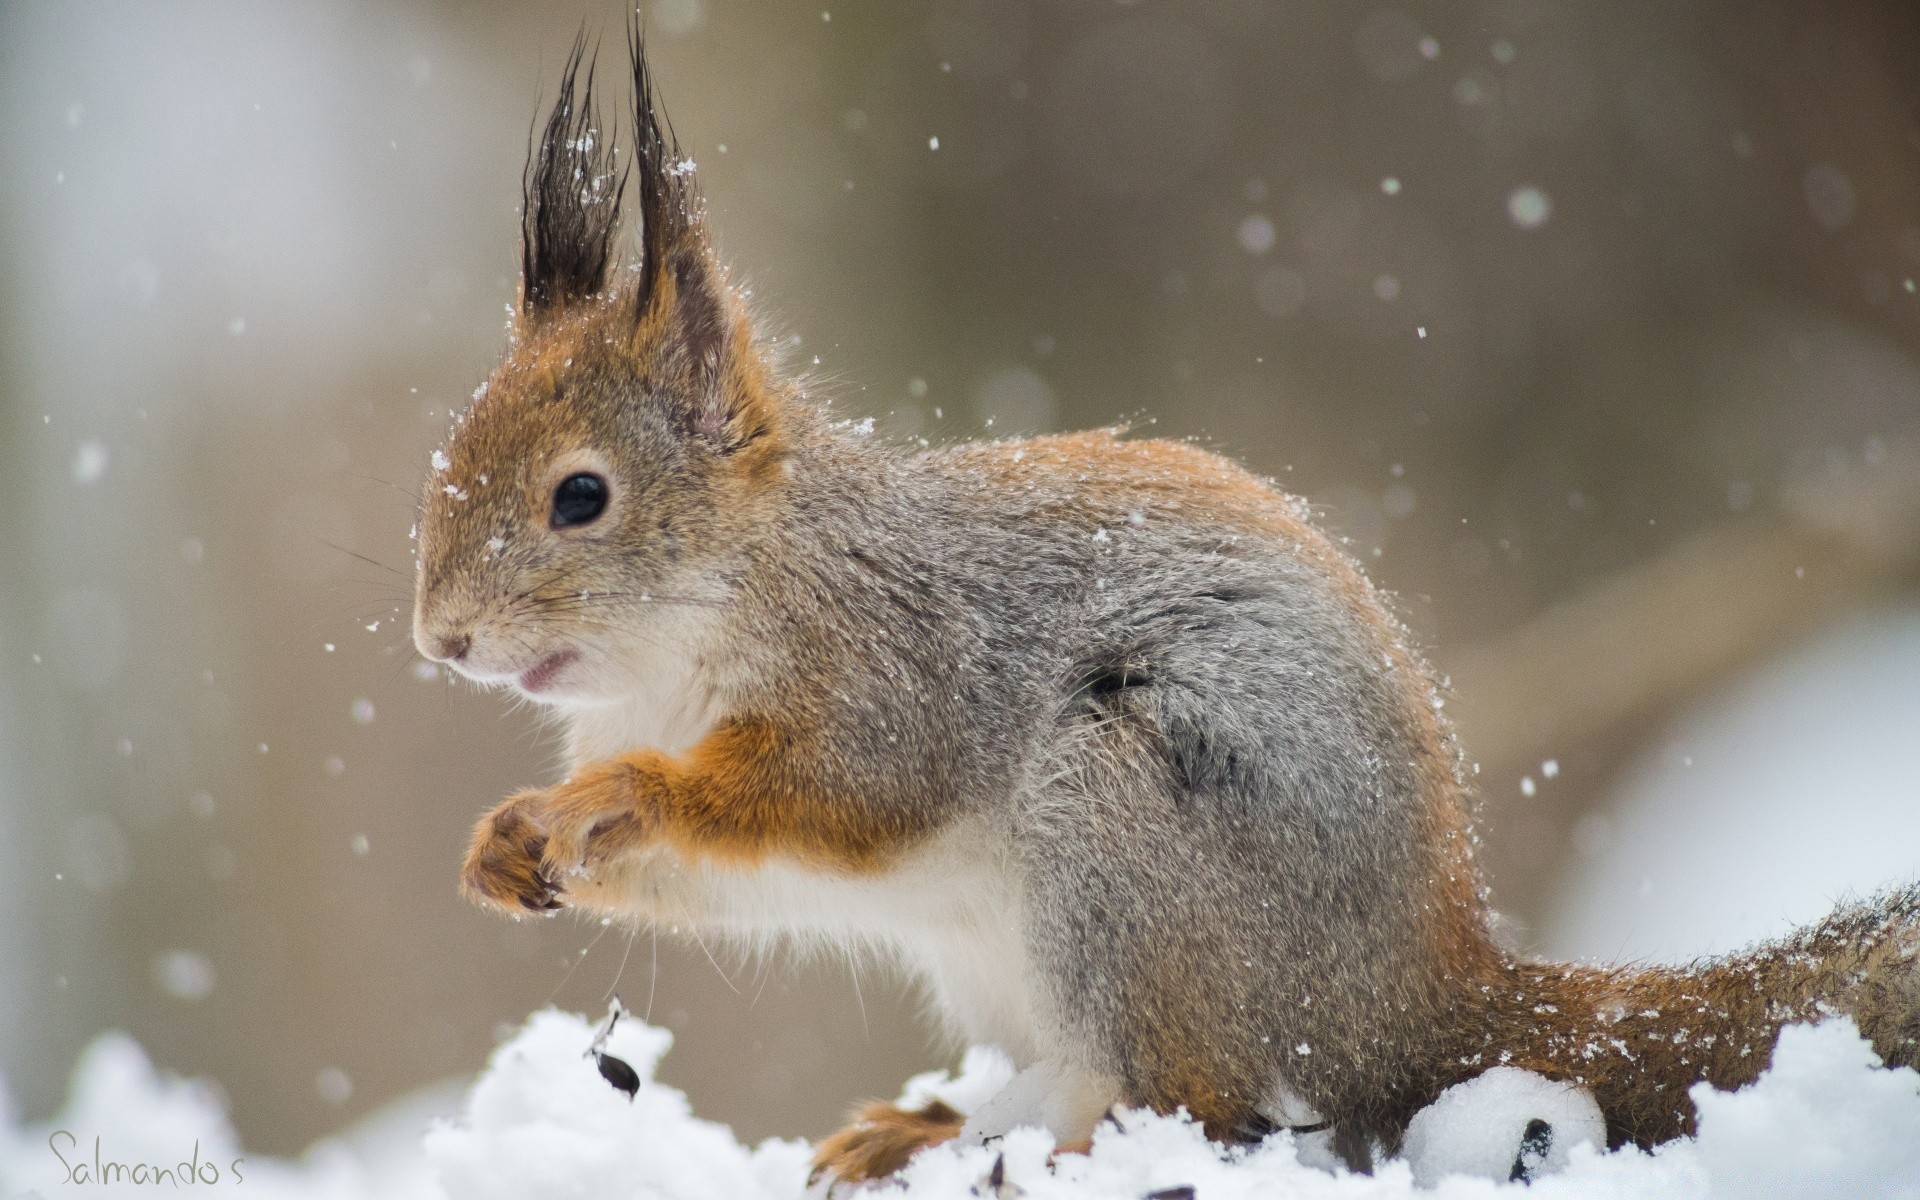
578	500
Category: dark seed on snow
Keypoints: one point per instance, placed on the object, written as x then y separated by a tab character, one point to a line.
616	1072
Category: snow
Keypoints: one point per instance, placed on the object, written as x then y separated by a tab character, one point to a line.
90	463
1528	207
1475	1127
1826	1120
1854	1132
542	1115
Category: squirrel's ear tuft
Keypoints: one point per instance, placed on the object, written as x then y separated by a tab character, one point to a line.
669	216
570	201
689	329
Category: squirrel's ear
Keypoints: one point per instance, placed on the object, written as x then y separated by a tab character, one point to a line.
690	332
570	201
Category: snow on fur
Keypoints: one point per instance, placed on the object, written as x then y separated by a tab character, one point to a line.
1825	1120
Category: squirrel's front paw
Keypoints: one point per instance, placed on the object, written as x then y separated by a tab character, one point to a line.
591	820
531	850
503	868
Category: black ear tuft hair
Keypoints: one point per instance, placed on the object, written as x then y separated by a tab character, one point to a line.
668	203
571	192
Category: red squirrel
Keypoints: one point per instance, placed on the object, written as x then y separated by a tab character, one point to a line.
1100	738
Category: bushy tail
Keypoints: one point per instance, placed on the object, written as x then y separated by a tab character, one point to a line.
1640	1037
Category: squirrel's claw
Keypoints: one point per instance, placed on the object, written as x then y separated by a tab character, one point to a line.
1250	1130
548	901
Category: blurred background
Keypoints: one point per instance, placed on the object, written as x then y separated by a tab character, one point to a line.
1593	325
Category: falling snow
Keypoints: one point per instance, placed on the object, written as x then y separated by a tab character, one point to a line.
89	463
1529	208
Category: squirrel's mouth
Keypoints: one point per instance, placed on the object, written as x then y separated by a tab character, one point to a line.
540	676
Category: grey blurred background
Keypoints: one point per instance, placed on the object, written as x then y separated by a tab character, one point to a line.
1592	324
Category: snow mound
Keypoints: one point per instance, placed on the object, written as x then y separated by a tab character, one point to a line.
1852	1129
1481	1127
541	1120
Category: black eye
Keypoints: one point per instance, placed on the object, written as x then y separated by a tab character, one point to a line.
578	500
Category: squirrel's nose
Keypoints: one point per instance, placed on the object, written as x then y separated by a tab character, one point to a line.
440	635
452	647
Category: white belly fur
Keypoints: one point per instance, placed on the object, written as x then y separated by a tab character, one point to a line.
949	914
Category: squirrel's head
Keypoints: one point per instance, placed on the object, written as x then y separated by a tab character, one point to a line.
591	498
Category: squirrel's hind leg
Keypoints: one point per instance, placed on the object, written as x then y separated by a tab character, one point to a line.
1193	904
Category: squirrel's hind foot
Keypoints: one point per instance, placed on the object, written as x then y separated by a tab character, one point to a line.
880	1139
